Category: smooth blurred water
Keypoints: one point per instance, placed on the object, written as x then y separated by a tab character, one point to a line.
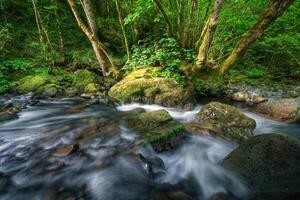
107	165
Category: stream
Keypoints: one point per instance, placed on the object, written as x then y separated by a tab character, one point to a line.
110	162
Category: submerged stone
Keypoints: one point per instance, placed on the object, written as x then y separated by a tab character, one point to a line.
66	150
269	164
142	86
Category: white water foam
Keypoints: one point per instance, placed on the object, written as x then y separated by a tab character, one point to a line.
184	116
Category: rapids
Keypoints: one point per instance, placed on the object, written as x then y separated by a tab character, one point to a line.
112	162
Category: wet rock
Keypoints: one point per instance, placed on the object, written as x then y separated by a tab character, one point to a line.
282	109
293	94
103	99
223	196
158	128
4	182
142	86
247	97
72	91
240	96
10	110
175	195
48	91
258	99
154	164
224	121
66	150
269	164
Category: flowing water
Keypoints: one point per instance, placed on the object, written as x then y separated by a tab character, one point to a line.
107	160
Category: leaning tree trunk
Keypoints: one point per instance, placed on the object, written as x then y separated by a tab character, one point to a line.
101	54
207	34
274	9
89	12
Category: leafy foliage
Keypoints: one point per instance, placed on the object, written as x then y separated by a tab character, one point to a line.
164	53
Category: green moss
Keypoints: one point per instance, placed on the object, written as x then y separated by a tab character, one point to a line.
155	126
84	77
143	86
163	133
48	90
91	88
31	83
210	84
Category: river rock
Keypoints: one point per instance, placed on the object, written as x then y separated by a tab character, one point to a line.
270	166
247	97
10	110
240	96
157	128
48	91
143	86
224	121
66	150
283	109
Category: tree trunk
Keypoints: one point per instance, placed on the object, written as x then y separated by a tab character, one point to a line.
166	18
102	56
274	9
208	34
123	30
38	24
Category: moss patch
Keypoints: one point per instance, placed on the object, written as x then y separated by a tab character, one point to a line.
83	78
157	128
142	86
31	83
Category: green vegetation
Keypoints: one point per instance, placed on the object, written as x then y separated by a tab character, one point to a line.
194	42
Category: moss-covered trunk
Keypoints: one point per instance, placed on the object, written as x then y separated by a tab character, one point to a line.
102	56
274	9
207	34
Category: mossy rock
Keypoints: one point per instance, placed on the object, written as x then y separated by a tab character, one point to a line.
31	83
269	164
48	90
224	121
157	128
82	78
91	88
142	86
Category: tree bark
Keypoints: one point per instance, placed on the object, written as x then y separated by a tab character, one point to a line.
208	34
274	9
101	54
166	18
123	30
38	23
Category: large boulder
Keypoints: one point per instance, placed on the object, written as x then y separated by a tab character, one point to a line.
283	109
223	121
157	128
270	166
142	86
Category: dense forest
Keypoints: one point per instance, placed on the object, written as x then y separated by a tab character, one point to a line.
150	99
